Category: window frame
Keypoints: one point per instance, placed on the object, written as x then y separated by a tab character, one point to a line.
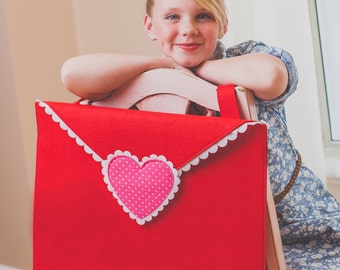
329	143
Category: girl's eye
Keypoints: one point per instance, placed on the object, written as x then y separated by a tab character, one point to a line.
172	17
205	17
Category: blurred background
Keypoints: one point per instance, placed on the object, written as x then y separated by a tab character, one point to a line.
37	36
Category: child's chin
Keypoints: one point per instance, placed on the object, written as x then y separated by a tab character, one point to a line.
190	64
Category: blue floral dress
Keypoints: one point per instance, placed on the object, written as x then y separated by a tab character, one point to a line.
310	216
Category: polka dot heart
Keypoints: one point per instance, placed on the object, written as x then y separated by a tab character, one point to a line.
142	188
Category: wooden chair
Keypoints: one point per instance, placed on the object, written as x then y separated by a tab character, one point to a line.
164	90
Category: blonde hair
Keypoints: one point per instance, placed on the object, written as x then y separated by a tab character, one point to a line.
216	7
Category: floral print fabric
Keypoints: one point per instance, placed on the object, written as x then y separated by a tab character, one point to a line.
310	227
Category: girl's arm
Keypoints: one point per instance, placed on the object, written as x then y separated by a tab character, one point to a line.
265	74
95	76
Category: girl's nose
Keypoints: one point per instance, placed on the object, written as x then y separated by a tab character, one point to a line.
189	28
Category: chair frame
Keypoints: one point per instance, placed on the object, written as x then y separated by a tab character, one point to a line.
148	92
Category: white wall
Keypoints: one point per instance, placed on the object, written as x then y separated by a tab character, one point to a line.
15	196
111	27
36	36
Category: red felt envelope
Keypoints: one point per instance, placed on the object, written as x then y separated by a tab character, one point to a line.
127	189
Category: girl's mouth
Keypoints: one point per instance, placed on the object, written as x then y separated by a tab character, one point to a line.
188	46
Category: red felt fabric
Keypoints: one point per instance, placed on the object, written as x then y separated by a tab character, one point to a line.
227	101
215	221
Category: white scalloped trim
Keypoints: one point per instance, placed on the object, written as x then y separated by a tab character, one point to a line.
64	126
171	195
177	173
220	144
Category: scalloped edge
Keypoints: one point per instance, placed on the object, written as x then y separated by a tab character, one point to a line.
220	144
49	111
171	195
177	173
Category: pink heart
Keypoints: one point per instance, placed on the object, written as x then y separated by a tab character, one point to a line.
142	187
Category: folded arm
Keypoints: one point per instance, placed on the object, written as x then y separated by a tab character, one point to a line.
95	76
265	74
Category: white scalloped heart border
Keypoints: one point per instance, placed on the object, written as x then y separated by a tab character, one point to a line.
128	205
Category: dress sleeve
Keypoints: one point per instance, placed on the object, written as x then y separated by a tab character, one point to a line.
259	47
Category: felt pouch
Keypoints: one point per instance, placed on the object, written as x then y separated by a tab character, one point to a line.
128	189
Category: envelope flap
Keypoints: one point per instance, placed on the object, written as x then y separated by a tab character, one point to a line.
180	138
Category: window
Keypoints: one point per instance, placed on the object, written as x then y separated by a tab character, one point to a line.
325	22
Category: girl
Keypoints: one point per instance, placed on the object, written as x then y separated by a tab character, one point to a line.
188	33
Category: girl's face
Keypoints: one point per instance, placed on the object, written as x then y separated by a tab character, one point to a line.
184	31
